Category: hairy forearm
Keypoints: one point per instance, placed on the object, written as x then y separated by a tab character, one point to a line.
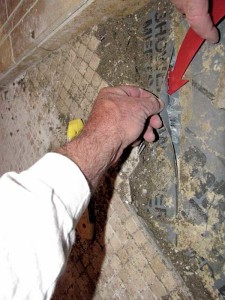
93	153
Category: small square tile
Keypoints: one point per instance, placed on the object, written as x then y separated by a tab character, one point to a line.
93	43
89	74
83	68
87	56
81	51
94	63
67	83
96	80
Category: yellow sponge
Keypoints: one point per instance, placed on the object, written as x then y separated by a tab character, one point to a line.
74	128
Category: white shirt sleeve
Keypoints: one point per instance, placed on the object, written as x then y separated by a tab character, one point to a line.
38	209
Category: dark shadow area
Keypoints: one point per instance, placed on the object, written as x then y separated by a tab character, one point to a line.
83	269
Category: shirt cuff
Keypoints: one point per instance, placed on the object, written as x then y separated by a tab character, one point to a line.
66	179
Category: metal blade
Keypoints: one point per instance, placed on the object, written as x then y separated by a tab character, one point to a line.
171	153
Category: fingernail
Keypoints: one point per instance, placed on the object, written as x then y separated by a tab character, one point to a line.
214	41
161	104
216	37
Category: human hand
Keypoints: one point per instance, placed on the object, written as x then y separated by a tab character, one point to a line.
120	116
128	112
198	17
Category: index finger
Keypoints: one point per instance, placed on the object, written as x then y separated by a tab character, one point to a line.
134	91
127	90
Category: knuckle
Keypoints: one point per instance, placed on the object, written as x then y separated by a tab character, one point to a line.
154	104
193	21
103	90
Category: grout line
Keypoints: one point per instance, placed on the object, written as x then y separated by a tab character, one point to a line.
7	14
11	48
